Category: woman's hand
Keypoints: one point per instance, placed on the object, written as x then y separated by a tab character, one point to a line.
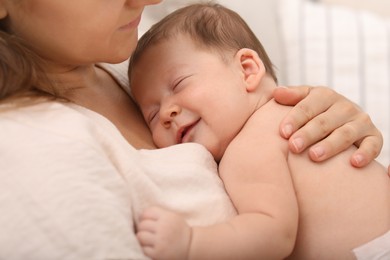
330	121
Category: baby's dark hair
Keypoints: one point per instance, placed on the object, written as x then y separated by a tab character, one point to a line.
210	25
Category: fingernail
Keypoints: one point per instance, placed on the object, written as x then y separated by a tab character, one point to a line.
287	130
318	151
298	144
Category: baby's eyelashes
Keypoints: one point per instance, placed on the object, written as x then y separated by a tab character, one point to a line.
152	116
179	82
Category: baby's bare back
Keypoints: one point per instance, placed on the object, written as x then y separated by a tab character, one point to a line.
340	207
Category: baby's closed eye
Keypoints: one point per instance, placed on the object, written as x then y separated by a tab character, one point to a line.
179	83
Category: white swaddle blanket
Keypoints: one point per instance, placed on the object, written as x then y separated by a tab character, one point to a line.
80	186
182	178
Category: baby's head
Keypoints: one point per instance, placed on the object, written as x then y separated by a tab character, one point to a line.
191	74
210	26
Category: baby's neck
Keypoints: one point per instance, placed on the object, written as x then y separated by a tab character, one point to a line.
264	92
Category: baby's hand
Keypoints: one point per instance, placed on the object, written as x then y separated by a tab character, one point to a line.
163	234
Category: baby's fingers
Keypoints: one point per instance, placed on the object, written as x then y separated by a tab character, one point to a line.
146	238
153	212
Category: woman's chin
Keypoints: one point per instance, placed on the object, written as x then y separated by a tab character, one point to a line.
119	56
115	60
124	50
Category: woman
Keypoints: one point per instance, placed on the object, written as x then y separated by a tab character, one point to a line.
70	132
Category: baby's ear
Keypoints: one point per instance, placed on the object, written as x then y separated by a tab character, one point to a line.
252	67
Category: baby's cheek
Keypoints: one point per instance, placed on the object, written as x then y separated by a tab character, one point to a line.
163	138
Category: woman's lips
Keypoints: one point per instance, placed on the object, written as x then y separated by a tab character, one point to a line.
131	25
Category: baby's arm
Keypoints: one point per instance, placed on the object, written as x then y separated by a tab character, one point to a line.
262	191
257	178
165	235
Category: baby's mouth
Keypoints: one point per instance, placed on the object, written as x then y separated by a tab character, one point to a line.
183	132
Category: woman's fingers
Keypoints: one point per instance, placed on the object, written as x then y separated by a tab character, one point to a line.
331	122
308	103
290	96
367	150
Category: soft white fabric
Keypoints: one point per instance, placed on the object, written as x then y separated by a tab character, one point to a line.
63	190
183	178
72	187
377	249
342	48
